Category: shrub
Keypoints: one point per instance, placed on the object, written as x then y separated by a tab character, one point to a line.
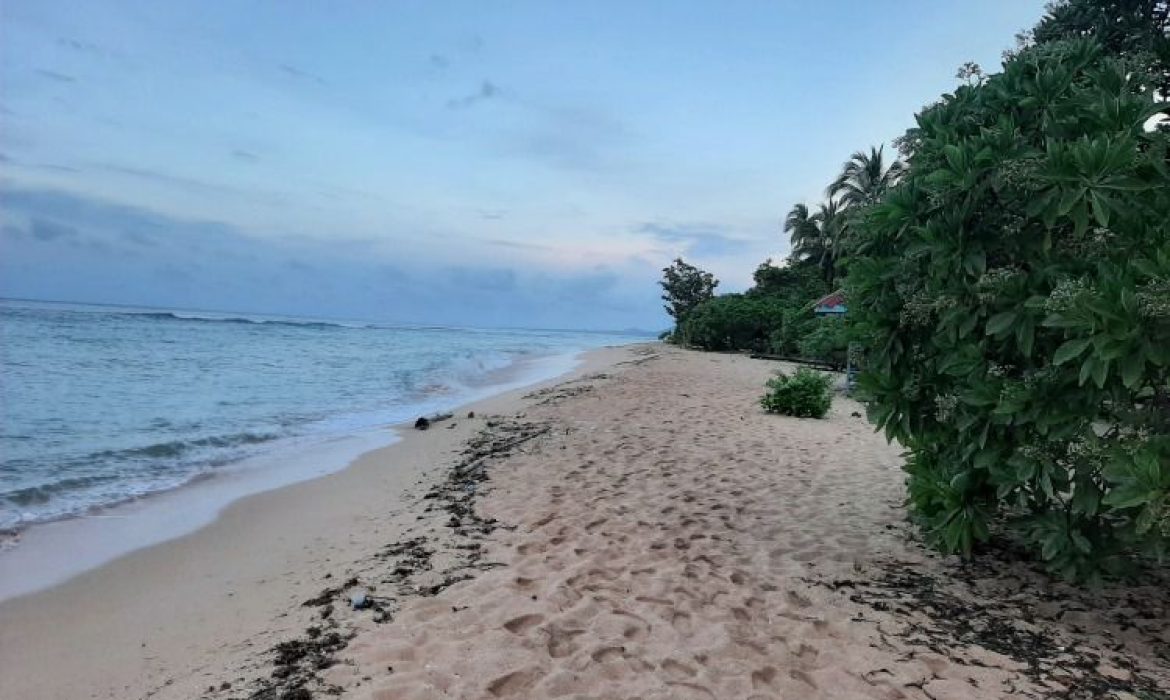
1013	291
805	394
732	322
827	341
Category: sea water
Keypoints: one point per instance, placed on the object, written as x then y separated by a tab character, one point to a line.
103	405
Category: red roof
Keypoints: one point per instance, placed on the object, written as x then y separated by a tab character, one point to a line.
837	298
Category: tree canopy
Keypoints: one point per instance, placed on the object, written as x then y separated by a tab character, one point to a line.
1013	291
684	287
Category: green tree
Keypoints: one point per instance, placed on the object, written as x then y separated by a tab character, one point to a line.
1013	291
804	232
733	322
827	340
796	283
684	287
815	236
1135	30
864	178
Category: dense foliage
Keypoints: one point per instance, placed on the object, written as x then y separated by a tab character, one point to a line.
774	316
805	394
1135	30
1013	291
731	322
827	340
684	287
824	238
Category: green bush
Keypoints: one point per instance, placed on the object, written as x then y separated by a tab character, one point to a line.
732	322
805	394
827	341
1014	293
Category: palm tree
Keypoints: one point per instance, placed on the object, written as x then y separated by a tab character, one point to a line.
814	236
831	221
805	233
865	178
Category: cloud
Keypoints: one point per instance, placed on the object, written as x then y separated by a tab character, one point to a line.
489	279
697	239
519	245
487	91
299	74
140	238
56	168
82	46
471	44
59	245
190	184
46	230
574	138
55	76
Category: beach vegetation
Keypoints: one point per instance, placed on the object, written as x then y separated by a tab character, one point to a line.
775	316
1012	293
732	322
1008	279
803	394
684	287
827	340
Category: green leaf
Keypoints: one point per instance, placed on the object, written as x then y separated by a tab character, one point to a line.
1026	336
1086	370
1071	349
1126	496
975	262
1100	209
1000	323
1100	372
1131	369
968	325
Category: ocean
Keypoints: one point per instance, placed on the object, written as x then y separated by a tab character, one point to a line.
102	405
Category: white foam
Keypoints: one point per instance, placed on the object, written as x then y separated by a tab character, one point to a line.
50	553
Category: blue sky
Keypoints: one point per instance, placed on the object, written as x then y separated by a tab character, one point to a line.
479	163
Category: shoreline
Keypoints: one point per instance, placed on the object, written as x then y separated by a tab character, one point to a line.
47	553
639	528
167	610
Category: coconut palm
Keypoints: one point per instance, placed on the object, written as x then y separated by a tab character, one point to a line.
804	232
814	236
864	178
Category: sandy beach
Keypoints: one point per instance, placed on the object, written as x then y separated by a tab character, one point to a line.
640	529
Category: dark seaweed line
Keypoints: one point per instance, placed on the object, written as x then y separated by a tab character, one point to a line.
297	663
957	622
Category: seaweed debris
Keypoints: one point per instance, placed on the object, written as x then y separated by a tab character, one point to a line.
1022	616
415	566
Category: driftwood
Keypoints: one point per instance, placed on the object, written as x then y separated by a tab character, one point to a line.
815	364
423	422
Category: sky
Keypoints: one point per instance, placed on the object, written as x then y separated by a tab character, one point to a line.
529	164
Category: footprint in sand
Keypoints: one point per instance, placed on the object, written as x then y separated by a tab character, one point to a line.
681	621
514	683
764	679
520	625
677	671
560	641
608	654
689	691
798	675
